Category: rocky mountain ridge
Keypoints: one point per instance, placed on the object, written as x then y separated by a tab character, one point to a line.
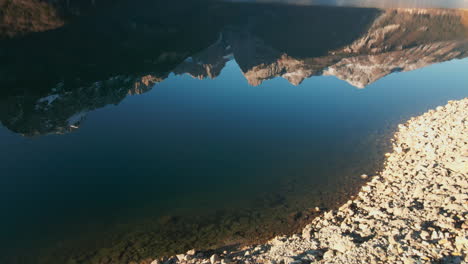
399	40
395	40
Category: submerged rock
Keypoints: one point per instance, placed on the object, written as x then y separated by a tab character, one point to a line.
414	211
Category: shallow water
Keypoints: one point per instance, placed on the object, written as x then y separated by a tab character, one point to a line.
146	129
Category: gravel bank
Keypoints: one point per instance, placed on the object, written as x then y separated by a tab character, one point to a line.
415	211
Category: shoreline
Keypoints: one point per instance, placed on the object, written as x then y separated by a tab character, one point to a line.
414	211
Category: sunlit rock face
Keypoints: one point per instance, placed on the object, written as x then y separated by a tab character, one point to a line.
24	16
21	17
144	84
361	71
398	40
293	70
402	40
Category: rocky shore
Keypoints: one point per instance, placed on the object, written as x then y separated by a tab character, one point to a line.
414	211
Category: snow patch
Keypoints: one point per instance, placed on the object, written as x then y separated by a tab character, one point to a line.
49	99
229	57
74	119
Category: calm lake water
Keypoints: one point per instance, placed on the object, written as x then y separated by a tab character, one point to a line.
142	129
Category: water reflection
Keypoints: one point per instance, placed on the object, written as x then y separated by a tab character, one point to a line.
163	171
50	81
369	3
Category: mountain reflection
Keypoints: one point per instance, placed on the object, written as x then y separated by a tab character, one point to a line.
50	80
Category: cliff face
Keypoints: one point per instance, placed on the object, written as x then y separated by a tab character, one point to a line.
207	63
398	40
49	81
363	70
402	40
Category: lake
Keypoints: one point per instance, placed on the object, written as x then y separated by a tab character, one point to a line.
141	129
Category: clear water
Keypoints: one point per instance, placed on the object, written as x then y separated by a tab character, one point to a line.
94	172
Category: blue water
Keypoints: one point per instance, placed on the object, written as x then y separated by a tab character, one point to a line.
190	144
200	163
